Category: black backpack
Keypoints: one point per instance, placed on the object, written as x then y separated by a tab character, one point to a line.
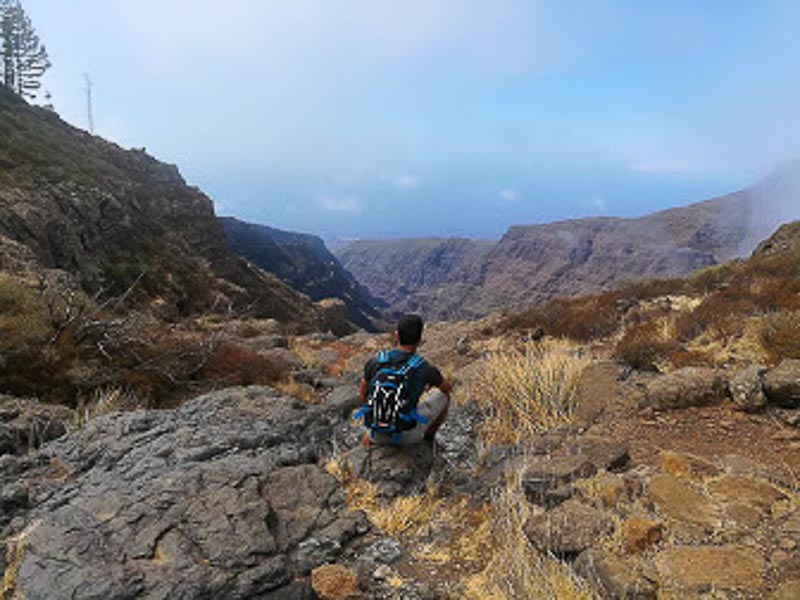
388	408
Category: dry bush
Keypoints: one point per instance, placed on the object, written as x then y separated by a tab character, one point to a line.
722	315
779	335
644	346
105	401
580	318
232	364
524	391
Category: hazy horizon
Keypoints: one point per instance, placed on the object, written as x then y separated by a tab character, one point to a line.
425	119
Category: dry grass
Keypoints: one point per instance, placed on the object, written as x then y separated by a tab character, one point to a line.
515	569
105	401
477	551
289	386
645	346
527	390
779	335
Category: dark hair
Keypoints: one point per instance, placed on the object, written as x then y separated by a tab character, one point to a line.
409	330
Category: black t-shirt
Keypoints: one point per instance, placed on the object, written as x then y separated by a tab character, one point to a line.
422	377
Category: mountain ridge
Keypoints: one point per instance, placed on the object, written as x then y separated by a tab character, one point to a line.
533	263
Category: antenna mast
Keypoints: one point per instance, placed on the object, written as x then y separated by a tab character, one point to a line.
89	110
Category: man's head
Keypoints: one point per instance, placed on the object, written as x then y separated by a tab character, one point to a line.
409	330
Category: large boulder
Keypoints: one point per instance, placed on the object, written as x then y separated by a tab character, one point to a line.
617	576
691	386
221	498
747	388
782	384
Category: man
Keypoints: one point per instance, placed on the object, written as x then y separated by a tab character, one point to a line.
420	416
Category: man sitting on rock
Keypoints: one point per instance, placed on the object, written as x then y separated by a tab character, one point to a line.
391	392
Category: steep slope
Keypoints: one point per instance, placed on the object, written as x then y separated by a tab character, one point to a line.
112	217
537	262
405	272
305	263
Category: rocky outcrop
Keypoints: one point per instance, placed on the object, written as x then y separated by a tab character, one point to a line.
304	262
221	498
533	263
112	217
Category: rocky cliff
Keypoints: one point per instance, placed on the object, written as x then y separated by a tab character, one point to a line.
459	278
305	263
111	217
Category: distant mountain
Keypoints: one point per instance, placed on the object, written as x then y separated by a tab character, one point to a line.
305	263
114	218
456	278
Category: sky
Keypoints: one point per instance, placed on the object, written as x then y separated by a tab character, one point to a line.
420	118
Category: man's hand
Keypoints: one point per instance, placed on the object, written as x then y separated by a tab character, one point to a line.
446	386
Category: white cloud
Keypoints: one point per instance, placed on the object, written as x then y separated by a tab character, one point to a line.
344	204
509	195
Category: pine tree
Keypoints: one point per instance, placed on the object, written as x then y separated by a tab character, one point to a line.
24	57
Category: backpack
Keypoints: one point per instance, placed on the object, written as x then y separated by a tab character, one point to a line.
388	408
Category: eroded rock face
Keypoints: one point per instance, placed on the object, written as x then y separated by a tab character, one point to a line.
222	498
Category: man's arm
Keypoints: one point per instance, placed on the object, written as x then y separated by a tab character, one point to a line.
363	388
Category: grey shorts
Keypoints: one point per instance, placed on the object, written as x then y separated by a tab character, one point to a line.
430	406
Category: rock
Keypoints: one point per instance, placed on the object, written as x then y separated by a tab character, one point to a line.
394	470
687	466
744	499
691	386
220	498
700	569
334	316
385	551
284	360
334	582
618	577
598	389
544	473
27	424
789	590
343	399
782	384
603	454
463	345
639	534
678	500
789	416
747	388
569	528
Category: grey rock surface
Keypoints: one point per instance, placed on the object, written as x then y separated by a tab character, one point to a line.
222	498
747	388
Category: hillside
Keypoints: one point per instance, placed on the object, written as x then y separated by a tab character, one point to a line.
112	218
432	275
567	467
303	262
533	263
